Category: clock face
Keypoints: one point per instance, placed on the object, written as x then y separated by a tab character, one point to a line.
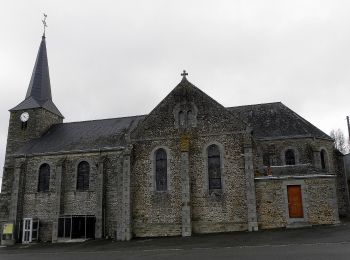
24	117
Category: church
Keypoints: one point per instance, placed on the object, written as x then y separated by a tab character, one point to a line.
189	166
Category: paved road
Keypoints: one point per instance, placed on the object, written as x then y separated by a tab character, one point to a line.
327	242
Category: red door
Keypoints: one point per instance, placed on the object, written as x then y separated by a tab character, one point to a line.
295	204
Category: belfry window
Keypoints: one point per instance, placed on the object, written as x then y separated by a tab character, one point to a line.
44	178
214	167
83	176
290	157
161	170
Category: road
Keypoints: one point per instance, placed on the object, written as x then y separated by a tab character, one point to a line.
325	242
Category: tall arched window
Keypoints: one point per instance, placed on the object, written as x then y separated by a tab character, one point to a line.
161	170
83	176
214	167
289	157
44	178
323	160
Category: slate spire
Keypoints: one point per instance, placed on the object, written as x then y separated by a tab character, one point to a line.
39	86
39	89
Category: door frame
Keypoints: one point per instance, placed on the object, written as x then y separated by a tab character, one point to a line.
304	201
30	230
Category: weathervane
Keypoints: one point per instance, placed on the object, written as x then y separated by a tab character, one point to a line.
44	23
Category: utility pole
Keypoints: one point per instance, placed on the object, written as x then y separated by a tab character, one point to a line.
347	119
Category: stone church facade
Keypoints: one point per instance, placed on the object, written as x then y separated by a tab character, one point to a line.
189	166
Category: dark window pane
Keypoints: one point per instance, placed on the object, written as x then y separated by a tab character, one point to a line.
90	227
214	167
67	227
83	176
290	157
161	170
44	178
60	227
323	160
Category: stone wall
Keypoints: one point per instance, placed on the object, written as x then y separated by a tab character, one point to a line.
48	206
306	150
342	184
40	120
4	210
319	201
162	213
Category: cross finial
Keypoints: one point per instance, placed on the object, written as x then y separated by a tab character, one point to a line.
184	74
44	23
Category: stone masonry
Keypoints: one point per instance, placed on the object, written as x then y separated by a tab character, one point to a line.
189	166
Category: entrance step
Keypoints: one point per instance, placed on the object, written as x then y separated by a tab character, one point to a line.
299	225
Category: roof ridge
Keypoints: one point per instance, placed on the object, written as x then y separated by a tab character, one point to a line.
257	104
102	119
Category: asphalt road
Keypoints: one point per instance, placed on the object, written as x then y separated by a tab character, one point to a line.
326	242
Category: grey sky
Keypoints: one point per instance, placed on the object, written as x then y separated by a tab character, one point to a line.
120	58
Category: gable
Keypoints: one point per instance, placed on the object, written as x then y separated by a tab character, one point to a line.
201	113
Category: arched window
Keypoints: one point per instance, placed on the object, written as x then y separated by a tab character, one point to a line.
323	160
214	167
44	178
161	170
289	157
182	119
83	176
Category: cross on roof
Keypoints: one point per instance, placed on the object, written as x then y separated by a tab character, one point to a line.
184	74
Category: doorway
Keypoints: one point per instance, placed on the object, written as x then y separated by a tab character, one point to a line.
76	227
295	204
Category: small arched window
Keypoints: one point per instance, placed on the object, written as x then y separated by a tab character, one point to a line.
44	178
182	119
214	167
289	157
323	160
161	170
83	176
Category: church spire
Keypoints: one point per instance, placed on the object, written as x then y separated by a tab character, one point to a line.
39	86
39	89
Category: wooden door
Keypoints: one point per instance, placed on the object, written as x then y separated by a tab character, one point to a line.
295	204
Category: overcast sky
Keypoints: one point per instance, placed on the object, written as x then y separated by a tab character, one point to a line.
121	58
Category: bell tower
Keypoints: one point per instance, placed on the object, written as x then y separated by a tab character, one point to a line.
35	114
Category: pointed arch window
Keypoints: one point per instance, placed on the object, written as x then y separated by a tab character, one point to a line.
44	178
290	157
83	176
214	167
161	170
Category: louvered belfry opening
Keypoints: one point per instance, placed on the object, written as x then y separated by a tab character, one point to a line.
83	176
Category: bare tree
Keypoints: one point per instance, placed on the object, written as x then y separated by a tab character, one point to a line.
340	142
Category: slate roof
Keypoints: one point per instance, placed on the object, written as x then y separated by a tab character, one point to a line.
39	89
275	120
85	135
271	120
